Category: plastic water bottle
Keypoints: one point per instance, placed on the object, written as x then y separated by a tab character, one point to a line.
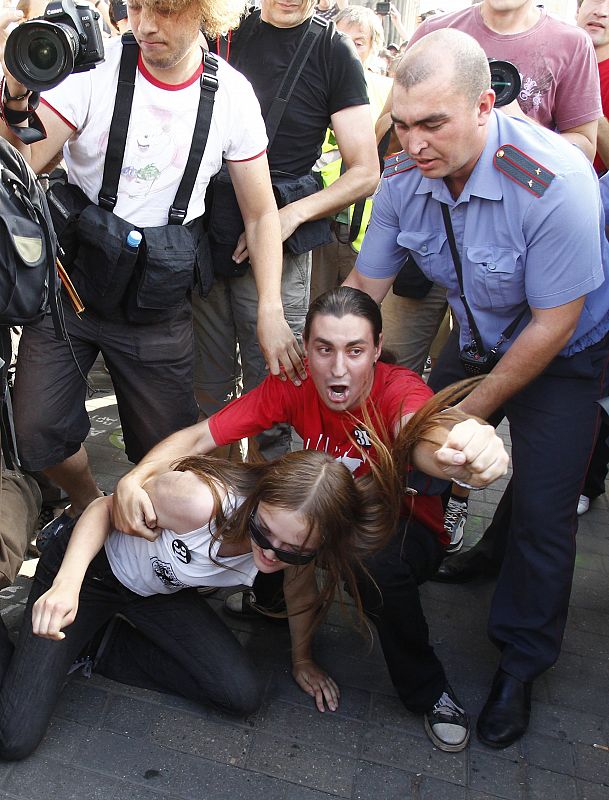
134	240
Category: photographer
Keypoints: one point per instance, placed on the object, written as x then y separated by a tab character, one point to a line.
507	216
150	362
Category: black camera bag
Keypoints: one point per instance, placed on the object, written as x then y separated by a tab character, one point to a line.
150	283
29	283
411	282
225	226
226	223
288	189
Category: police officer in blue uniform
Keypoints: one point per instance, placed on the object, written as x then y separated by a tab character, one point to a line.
507	216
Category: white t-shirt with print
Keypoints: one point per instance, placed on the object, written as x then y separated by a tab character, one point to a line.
159	137
176	561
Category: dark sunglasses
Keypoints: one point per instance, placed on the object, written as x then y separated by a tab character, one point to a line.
292	557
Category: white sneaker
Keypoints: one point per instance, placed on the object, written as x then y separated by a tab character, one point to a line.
447	723
455	518
583	504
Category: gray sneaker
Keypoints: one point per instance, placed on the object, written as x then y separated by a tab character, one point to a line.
455	518
243	604
447	723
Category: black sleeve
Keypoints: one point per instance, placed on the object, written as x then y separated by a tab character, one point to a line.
347	81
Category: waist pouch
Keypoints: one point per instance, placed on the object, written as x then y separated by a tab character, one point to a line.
290	188
148	284
226	222
411	282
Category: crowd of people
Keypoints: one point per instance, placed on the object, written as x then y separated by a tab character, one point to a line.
258	301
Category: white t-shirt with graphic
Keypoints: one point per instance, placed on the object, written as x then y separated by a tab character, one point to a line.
159	137
177	561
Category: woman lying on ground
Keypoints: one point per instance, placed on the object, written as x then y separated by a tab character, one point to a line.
221	523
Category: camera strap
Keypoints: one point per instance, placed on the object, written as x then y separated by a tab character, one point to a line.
119	127
316	26
509	331
277	108
35	132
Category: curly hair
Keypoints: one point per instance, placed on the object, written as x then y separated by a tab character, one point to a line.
216	16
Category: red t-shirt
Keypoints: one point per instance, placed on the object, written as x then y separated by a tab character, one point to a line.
603	71
396	391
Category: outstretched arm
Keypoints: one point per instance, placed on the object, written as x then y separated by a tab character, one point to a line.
56	608
300	589
469	452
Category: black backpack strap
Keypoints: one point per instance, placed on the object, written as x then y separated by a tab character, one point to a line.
119	126
54	284
358	208
8	441
200	134
317	25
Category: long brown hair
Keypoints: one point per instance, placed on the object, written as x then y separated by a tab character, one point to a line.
354	517
437	413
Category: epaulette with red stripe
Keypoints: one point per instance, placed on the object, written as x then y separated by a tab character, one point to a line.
396	163
523	169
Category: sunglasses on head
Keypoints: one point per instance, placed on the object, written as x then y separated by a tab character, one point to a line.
292	557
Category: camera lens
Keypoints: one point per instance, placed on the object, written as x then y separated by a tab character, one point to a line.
41	54
505	81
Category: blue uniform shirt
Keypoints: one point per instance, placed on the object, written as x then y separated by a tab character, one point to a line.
516	249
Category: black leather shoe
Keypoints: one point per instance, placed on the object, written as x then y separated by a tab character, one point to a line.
465	567
505	716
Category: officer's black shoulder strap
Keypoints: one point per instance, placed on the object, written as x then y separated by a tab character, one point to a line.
523	169
396	163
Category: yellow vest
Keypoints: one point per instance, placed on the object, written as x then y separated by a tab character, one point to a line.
330	162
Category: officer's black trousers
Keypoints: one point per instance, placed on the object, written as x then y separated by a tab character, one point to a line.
553	425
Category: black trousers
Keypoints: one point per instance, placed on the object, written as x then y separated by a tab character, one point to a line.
173	643
597	470
553	424
390	596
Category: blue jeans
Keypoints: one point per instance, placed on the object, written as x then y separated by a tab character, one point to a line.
179	645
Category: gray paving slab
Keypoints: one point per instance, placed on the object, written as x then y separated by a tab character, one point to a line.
111	740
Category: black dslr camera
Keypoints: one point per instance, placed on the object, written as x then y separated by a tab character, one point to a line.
476	363
43	51
505	81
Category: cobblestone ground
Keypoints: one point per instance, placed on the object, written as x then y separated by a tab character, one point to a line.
107	740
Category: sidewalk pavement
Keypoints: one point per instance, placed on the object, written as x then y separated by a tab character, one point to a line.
109	740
